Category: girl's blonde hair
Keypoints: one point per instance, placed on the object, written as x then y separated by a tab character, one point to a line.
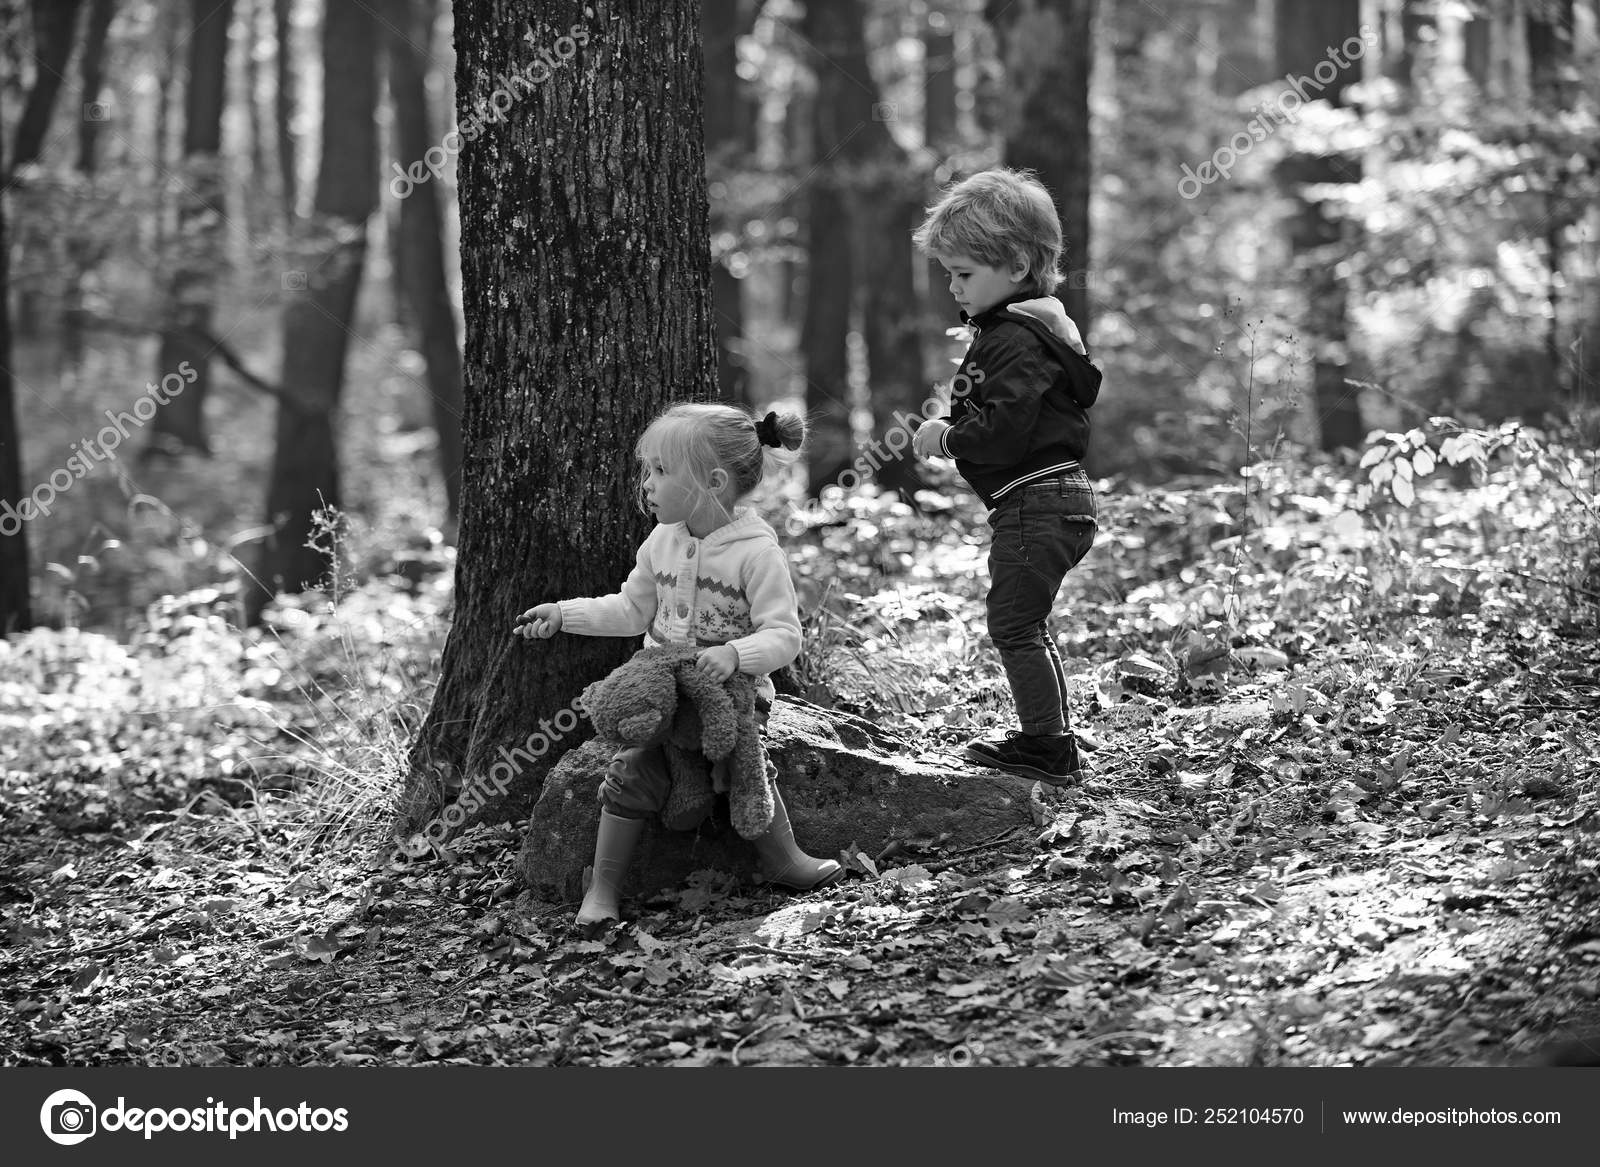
704	437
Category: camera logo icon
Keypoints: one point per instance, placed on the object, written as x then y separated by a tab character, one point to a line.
68	1117
97	111
294	281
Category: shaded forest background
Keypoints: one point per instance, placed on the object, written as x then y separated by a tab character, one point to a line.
1415	239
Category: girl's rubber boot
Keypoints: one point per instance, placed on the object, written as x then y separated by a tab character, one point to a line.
613	849
782	861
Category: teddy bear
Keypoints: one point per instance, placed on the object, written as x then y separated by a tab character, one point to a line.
707	729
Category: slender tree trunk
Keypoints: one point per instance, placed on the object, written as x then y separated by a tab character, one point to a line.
92	71
55	25
939	121
587	289
260	212
865	196
1306	31
421	242
16	611
825	330
730	126
180	425
95	113
1048	49
940	133
284	104
321	308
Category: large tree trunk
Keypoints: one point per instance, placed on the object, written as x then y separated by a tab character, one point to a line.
180	425
321	308
55	25
730	132
1306	30
16	612
587	291
1047	46
421	243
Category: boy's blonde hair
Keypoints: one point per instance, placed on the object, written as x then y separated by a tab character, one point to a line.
704	436
995	216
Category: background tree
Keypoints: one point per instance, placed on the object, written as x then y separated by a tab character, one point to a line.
321	310
588	306
55	24
1318	235
421	237
865	199
730	139
186	331
283	103
16	614
1047	49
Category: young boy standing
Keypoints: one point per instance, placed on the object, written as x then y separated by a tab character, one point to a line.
1017	428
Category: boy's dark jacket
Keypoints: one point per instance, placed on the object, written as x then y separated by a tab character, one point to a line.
1019	409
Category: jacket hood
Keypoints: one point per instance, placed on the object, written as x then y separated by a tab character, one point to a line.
1047	310
1047	319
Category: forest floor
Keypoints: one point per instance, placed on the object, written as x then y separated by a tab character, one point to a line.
1343	812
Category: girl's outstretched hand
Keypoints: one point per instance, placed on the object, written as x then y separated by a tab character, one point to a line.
718	663
542	620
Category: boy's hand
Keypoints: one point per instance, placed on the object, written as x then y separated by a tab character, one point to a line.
718	663
542	620
925	441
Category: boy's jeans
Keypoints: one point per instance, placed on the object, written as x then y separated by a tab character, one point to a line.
1041	531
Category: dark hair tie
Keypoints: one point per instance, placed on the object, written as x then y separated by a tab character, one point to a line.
767	430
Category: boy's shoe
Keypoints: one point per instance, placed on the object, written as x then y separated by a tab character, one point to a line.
1053	760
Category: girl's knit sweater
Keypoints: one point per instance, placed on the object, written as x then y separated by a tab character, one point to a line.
731	587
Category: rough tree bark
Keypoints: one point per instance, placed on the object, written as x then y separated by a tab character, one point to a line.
1047	47
421	238
180	425
1306	30
321	307
587	295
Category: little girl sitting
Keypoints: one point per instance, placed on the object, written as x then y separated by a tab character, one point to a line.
711	573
